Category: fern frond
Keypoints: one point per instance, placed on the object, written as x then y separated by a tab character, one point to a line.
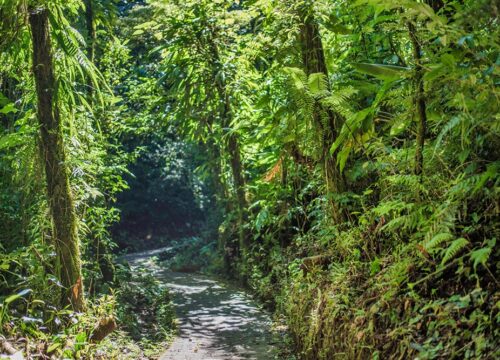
454	249
298	76
480	256
411	182
437	240
318	83
454	121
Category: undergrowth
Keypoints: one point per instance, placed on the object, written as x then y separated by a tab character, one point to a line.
414	276
137	302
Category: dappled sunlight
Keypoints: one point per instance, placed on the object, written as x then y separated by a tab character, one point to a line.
338	159
215	320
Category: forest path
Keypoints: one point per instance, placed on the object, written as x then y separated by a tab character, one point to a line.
216	321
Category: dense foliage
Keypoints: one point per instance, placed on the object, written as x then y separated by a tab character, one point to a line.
341	158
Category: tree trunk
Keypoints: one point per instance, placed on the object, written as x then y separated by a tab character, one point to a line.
53	154
239	185
313	58
91	38
91	34
232	143
233	150
214	153
419	100
104	261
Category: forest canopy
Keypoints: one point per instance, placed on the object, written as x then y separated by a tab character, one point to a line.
338	158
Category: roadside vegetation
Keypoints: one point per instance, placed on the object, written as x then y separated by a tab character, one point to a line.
338	158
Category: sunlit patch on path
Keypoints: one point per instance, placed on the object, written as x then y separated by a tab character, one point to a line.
216	321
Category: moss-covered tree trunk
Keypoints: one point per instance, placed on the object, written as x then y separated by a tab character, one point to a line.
419	100
64	220
313	59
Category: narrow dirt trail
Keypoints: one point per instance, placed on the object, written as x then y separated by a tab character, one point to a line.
217	321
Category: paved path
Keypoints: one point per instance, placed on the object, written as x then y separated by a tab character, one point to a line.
216	321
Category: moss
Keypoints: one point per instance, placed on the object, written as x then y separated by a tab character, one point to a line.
65	234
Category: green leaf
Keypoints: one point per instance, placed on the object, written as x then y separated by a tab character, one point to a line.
426	11
261	219
333	24
14	297
448	60
351	127
454	248
318	83
147	25
400	125
298	76
8	109
437	240
10	140
343	156
435	72
480	256
375	266
381	71
454	121
53	347
490	173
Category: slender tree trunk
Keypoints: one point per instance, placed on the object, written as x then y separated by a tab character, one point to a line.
219	198
219	187
53	154
91	31
233	150
239	183
232	144
215	165
419	100
420	91
313	58
91	39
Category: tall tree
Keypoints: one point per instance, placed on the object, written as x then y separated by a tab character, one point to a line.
232	144
91	29
65	233
313	59
419	99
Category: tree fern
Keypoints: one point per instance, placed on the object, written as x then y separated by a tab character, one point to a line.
318	84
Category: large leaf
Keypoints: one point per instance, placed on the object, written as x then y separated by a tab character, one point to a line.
318	83
17	296
381	71
333	23
298	77
10	140
343	156
8	109
480	256
351	127
455	247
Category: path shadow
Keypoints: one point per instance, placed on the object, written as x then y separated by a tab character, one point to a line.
216	320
